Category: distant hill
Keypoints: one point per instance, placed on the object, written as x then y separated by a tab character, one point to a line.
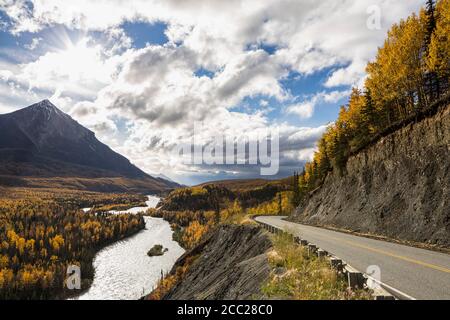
211	195
247	184
41	141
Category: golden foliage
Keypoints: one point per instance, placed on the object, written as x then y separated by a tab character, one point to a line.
166	283
39	239
439	52
194	233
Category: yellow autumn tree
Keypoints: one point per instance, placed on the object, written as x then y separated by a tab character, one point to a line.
439	52
193	234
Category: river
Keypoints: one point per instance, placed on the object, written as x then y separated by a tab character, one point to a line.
124	271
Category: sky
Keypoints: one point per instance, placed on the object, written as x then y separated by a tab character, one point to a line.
142	73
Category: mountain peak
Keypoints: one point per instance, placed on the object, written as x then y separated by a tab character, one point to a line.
46	101
47	110
44	104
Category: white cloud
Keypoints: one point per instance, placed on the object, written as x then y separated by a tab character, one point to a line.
78	65
5	75
154	90
33	44
306	108
303	110
263	103
311	34
352	75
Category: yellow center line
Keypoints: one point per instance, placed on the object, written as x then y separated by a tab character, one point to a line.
386	253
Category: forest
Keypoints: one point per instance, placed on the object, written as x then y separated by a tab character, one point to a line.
43	233
215	197
408	79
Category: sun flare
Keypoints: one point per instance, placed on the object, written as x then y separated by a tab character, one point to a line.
80	61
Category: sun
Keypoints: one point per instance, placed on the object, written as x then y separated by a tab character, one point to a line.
81	61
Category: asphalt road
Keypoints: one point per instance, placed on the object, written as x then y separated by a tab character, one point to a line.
419	273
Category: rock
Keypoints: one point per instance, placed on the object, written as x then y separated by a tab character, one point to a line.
398	187
232	265
157	250
279	271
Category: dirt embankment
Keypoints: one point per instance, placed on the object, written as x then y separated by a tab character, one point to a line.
231	265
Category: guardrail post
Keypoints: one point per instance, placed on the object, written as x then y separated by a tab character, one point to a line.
336	264
356	280
321	253
312	248
304	242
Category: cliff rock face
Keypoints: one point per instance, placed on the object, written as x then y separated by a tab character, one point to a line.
398	187
232	265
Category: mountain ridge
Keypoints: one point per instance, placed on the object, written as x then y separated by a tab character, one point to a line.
43	141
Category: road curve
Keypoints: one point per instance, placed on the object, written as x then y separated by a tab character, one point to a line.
419	273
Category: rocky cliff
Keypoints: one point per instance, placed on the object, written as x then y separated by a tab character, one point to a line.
231	265
398	187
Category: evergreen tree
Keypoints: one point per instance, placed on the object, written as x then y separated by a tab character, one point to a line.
430	22
438	61
369	113
295	190
280	204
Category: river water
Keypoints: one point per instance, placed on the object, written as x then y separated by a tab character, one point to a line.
124	271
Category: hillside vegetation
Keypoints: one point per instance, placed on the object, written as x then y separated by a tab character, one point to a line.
217	196
301	276
76	183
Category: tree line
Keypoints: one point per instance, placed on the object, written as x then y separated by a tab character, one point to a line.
409	75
